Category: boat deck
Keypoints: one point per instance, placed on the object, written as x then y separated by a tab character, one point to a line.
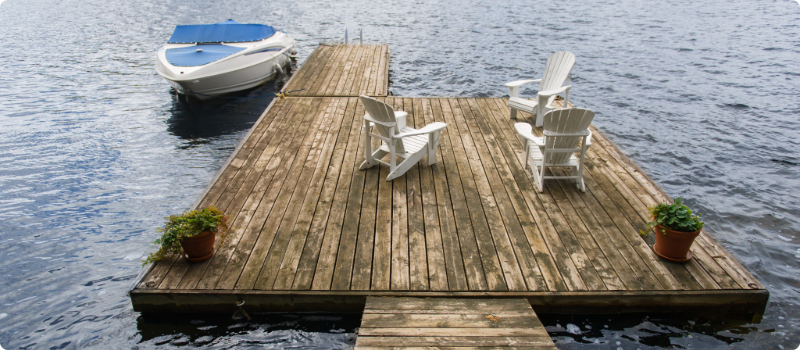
313	232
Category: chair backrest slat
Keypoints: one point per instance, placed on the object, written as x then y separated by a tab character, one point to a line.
382	112
565	121
556	70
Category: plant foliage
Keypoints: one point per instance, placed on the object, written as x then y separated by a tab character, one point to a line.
189	224
675	216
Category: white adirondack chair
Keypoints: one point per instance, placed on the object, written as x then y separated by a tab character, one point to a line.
563	130
398	140
556	71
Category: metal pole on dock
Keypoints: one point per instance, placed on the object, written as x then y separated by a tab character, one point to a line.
345	36
361	36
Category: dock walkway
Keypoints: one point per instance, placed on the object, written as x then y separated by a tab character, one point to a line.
343	70
451	323
313	232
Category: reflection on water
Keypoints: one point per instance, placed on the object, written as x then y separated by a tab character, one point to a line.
197	120
266	331
631	331
95	149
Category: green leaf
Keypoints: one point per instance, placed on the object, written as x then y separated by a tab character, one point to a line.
676	216
188	224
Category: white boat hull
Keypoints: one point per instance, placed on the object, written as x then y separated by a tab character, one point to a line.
243	70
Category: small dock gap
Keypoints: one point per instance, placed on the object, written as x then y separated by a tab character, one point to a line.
315	233
416	323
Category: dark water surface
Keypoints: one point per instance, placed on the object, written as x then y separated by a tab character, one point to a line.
95	150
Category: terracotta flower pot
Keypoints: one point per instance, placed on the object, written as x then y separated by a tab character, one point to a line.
674	245
199	248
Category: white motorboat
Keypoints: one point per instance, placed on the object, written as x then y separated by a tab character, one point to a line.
213	59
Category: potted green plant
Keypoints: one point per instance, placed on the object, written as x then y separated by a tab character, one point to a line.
191	234
676	228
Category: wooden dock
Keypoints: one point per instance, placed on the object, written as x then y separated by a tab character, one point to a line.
313	232
450	323
343	70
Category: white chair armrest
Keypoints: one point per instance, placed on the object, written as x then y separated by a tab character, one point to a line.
579	133
589	139
428	129
525	130
554	91
518	83
389	125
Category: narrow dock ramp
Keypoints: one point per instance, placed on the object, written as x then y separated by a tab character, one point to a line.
342	70
445	323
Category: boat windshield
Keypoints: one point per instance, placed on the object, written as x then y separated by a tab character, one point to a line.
226	32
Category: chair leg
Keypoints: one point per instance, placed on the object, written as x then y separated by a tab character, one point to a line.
372	159
394	174
537	176
541	179
581	184
527	152
368	160
581	164
392	158
513	92
405	165
433	144
577	172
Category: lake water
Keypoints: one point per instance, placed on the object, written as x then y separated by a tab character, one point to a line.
95	149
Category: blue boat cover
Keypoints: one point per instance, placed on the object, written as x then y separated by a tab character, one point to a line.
229	31
199	55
